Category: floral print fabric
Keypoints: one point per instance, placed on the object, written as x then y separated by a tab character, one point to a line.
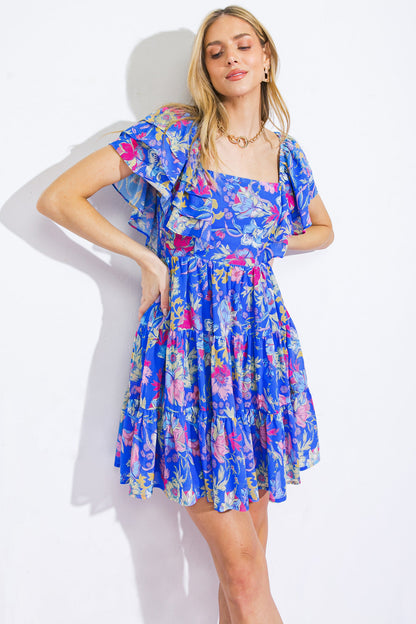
217	403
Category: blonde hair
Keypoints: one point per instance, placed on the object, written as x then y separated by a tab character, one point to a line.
207	109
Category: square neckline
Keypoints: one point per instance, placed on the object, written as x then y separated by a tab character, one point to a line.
264	183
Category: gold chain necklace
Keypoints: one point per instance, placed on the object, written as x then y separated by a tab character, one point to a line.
241	141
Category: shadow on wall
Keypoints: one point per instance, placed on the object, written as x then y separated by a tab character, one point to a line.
175	580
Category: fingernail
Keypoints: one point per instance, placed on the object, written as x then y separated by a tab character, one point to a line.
165	311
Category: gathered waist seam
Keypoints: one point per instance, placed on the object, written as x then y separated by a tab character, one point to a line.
201	260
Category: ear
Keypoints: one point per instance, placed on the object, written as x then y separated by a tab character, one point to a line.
266	52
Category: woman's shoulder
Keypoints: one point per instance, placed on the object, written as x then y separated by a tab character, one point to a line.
289	142
294	154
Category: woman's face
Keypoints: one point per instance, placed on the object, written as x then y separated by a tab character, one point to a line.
234	57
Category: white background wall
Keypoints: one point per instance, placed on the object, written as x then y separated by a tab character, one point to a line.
75	547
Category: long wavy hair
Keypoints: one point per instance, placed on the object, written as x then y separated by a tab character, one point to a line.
206	108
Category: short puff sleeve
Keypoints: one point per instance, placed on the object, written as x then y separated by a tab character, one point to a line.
296	190
299	187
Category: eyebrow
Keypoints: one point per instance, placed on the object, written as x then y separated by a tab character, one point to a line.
234	38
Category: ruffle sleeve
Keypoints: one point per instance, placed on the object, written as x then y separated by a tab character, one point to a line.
297	189
156	149
300	187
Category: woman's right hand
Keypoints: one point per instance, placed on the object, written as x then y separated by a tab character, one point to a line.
155	283
65	201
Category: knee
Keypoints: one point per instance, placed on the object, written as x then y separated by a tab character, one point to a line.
245	572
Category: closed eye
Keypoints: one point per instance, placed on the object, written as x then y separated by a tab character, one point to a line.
218	54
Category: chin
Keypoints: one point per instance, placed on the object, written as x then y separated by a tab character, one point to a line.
238	92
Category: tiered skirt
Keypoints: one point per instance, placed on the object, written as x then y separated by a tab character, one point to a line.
217	403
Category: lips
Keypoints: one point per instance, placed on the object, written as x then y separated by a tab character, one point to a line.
236	73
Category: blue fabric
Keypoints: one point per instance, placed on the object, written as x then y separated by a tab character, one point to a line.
218	403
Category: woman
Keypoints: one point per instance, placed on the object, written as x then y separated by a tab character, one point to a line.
218	413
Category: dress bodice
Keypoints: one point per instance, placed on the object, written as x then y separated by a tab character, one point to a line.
170	194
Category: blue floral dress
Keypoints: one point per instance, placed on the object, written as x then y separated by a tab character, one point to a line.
217	403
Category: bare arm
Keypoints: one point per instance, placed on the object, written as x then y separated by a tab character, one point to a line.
319	235
65	201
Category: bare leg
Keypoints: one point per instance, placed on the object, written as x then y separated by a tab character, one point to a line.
240	561
258	511
225	617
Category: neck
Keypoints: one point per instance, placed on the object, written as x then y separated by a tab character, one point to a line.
244	114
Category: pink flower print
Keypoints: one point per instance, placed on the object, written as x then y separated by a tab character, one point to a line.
256	275
163	336
128	150
194	396
183	242
302	414
187	321
246	389
202	187
275	213
234	259
178	113
272	434
142	135
220	234
147	372
240	346
127	437
263	435
290	200
176	392
261	402
288	444
220	447
222	382
235	441
236	274
179	437
134	459
284	399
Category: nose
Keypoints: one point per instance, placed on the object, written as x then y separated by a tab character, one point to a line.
231	59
